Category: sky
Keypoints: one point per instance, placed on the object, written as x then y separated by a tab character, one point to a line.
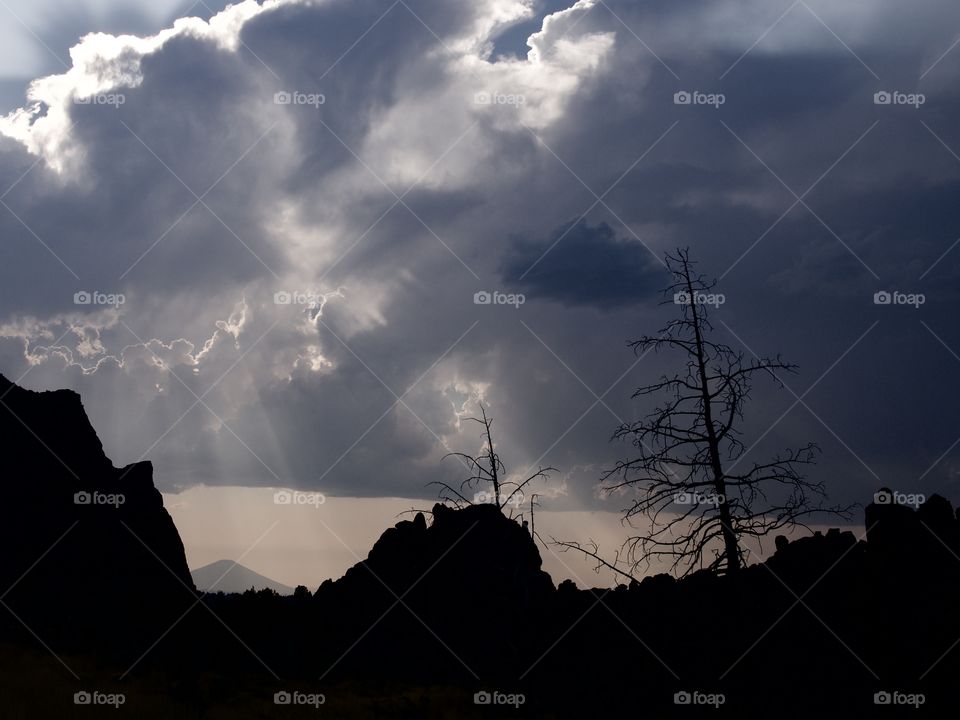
253	237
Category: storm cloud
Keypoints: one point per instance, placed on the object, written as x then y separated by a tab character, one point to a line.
299	201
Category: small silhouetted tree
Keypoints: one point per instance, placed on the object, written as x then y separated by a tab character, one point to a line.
487	471
690	485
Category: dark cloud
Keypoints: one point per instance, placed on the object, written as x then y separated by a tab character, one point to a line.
580	264
408	196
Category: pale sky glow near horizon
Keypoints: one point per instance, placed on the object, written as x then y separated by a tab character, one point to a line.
298	243
307	544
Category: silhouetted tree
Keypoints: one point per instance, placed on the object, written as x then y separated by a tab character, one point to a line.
487	470
687	473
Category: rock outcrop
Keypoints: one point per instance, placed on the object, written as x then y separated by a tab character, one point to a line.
900	534
475	555
80	537
468	587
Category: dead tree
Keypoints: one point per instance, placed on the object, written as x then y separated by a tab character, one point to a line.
689	482
487	471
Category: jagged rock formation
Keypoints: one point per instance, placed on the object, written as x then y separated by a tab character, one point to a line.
476	555
80	537
472	577
901	534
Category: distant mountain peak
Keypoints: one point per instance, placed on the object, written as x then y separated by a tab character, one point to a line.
230	577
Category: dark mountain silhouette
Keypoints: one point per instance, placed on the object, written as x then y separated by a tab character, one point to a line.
230	577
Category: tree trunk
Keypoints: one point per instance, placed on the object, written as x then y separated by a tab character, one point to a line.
730	545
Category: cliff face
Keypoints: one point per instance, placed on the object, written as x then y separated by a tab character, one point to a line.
74	529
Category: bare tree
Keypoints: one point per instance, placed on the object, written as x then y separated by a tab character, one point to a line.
691	486
487	470
592	550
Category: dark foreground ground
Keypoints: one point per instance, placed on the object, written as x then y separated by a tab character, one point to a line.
442	612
